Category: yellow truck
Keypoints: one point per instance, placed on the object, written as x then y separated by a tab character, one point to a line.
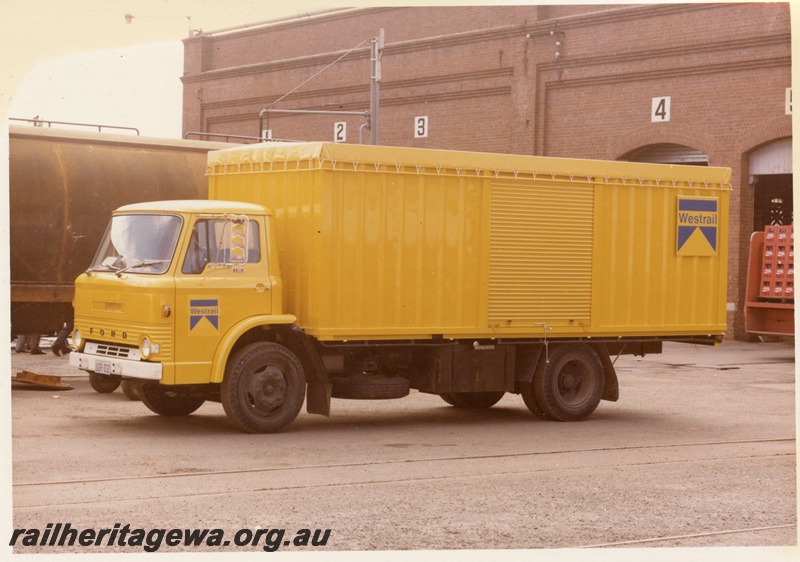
318	271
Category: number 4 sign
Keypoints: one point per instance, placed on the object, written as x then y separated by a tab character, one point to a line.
660	110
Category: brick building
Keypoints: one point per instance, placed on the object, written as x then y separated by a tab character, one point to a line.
706	84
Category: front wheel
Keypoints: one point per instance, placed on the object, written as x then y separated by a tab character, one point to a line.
264	388
104	384
570	386
472	400
167	400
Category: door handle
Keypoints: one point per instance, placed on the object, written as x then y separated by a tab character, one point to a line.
261	287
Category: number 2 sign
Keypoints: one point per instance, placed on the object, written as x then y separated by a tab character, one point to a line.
340	131
660	110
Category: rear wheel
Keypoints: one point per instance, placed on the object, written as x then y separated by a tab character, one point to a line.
104	384
570	385
473	400
167	400
264	388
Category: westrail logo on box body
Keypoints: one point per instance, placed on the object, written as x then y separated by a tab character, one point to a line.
698	220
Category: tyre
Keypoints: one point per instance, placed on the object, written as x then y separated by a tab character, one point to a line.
264	388
570	385
104	384
167	400
529	396
369	387
130	389
473	400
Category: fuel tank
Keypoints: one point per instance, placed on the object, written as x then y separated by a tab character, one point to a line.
63	185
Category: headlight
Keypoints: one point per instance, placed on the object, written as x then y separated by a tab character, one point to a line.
145	348
77	340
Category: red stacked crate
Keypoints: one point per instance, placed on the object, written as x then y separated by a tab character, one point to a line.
777	271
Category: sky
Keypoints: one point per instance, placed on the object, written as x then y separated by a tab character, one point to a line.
135	86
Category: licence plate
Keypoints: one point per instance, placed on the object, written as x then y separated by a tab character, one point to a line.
102	367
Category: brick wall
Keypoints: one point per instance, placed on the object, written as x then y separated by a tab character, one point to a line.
488	80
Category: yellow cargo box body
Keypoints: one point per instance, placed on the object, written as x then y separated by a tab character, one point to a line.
398	243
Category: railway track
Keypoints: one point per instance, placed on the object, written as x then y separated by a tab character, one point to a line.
653	540
384	472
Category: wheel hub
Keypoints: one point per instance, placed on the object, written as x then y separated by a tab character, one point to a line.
568	382
266	389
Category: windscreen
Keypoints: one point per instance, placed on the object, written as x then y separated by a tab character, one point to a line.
140	243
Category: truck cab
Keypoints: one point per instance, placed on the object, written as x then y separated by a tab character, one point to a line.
175	288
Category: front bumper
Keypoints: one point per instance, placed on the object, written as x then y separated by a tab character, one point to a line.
116	366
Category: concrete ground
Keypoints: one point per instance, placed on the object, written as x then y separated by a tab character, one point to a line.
699	451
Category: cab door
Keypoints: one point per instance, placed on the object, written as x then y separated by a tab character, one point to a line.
222	278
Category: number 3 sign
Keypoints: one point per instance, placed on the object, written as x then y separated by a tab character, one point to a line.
421	127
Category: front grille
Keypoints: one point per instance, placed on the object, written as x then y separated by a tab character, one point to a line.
111	350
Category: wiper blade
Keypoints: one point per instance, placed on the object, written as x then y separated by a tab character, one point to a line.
101	267
145	263
107	263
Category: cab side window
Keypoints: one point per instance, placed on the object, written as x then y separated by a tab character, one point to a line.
208	244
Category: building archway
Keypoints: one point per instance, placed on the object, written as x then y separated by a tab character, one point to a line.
770	173
667	153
